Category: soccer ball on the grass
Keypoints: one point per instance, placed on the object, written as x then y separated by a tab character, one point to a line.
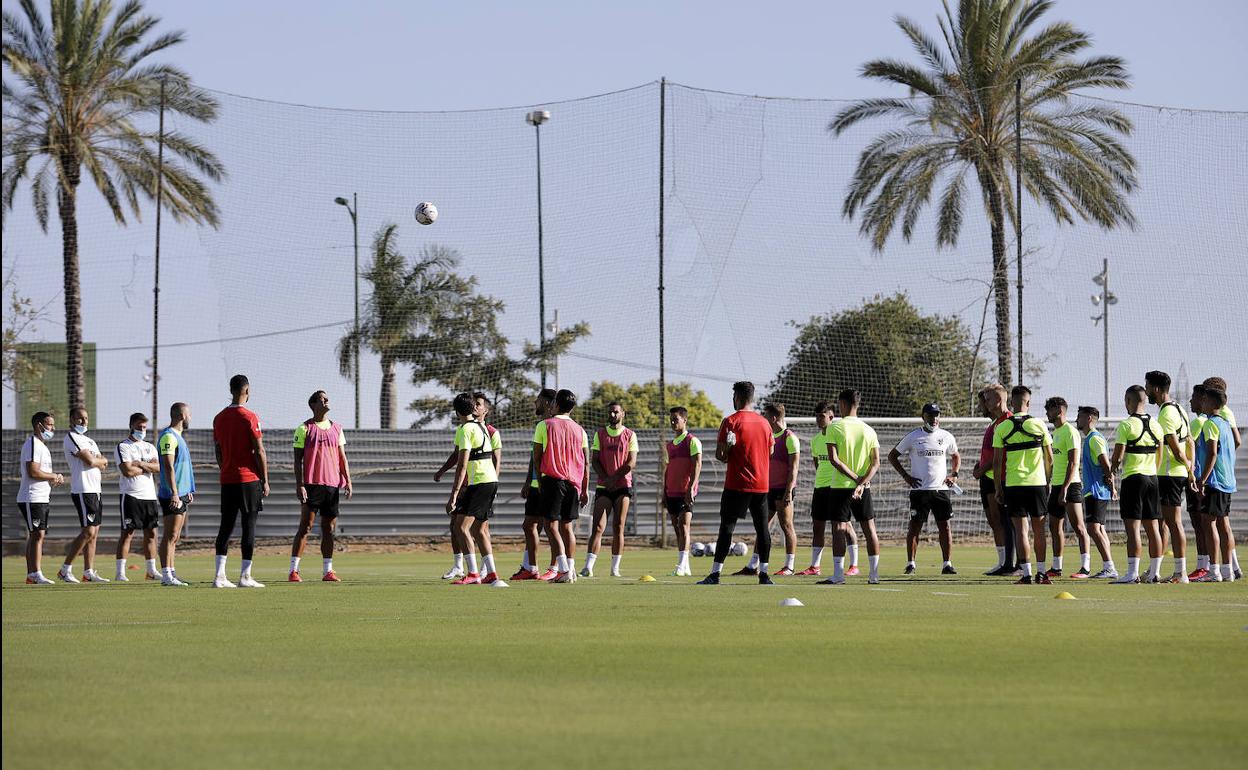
426	213
740	549
698	549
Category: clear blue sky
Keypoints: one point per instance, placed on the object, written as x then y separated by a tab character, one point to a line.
456	55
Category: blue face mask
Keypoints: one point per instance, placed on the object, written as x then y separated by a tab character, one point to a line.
45	434
138	435
80	429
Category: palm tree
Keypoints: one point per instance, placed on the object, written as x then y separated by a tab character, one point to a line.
962	125
80	85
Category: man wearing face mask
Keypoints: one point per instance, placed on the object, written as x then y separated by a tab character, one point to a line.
138	463
85	463
928	449
177	487
34	494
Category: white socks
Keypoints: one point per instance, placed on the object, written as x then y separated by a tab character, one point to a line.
152	569
246	571
788	560
121	567
590	560
67	569
294	564
220	566
874	561
1057	563
816	554
948	563
762	568
327	566
1026	569
1202	561
1085	561
1180	565
1234	559
459	561
1000	557
717	568
910	564
615	563
166	572
487	565
683	561
838	567
753	563
853	555
561	563
1228	573
472	563
1154	566
1133	567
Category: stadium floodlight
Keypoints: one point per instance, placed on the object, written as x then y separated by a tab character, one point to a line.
1103	300
352	207
341	201
536	118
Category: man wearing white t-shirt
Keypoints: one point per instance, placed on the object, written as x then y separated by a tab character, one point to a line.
138	462
85	464
929	450
34	494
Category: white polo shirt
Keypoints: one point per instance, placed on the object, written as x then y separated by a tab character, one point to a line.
83	479
34	490
143	486
928	455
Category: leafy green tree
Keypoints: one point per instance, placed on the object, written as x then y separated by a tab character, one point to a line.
80	95
643	406
898	359
20	317
1073	159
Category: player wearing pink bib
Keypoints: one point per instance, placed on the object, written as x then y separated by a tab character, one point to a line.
680	483
613	456
321	472
559	449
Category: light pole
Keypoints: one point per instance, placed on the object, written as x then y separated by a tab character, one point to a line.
554	334
536	118
1103	301
352	208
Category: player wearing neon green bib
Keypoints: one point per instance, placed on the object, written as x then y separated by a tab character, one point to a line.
820	499
1137	453
475	487
854	453
534	522
1066	490
1174	471
1023	466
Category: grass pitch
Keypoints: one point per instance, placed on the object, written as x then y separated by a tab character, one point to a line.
395	668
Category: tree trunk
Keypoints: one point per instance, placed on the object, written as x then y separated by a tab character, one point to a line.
1000	280
388	415
67	208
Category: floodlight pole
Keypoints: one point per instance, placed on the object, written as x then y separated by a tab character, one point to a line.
536	118
1105	321
160	188
352	209
1018	210
663	421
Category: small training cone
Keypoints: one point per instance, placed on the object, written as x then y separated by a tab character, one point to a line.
791	602
500	584
1065	595
646	579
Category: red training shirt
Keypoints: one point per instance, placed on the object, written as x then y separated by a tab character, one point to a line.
749	460
232	430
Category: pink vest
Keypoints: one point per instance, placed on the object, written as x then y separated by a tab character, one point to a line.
781	460
320	455
564	457
613	454
679	468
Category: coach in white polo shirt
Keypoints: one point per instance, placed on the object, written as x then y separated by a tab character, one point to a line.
138	463
85	465
932	454
34	493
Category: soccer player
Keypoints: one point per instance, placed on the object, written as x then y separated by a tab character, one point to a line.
137	461
321	474
1137	452
85	464
1174	474
559	455
1066	492
1216	485
854	451
821	497
993	405
934	461
239	447
744	445
530	491
613	456
1094	470
177	487
1023	468
680	483
1225	412
782	474
475	487
34	493
460	546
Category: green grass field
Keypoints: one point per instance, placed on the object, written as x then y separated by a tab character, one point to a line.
395	668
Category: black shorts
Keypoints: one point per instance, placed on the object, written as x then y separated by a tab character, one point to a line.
1095	511
35	515
560	500
477	500
1170	490
533	503
842	505
1138	498
778	498
139	514
677	505
1057	505
987	490
323	499
613	494
735	504
1031	501
1216	503
1194	503
934	501
246	497
90	508
174	506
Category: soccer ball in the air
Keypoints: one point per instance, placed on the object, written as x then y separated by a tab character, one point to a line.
426	213
739	549
698	549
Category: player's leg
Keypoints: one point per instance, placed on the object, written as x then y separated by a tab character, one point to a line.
1153	528
463	531
168	548
569	512
36	519
944	533
1039	539
785	514
732	505
123	540
819	508
1022	545
249	514
329	528
1221	512
913	528
307	517
681	518
851	549
1074	515
1005	555
618	521
151	539
1056	519
601	511
1132	527
762	534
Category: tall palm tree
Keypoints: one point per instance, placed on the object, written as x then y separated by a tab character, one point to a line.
80	95
962	125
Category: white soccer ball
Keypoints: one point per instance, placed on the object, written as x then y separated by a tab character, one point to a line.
740	549
426	213
698	549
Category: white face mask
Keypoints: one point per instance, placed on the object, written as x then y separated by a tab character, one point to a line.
45	434
80	429
138	435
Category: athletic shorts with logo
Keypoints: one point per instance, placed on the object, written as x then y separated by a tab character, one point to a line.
323	499
1138	498
1216	503
613	494
1170	490
139	514
477	500
840	505
174	506
559	500
1095	511
1057	504
677	505
1028	501
90	507
35	515
931	501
